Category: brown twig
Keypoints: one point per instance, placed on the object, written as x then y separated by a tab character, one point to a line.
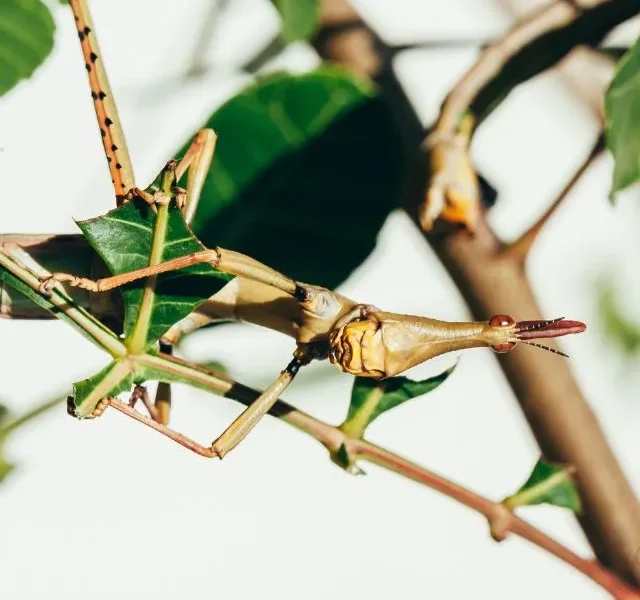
494	511
519	249
333	438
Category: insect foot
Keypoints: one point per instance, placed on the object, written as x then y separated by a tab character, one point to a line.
48	283
181	198
453	195
95	413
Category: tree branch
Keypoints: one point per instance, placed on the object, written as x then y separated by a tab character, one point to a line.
560	418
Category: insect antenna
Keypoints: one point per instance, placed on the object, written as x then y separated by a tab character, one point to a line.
545	348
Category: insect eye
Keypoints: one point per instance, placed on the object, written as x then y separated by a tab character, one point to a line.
502	348
502	321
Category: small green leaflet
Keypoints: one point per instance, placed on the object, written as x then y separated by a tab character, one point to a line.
622	113
115	378
123	238
547	484
299	18
26	39
619	328
371	397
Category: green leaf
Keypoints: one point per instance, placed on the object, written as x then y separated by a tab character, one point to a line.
547	484
26	39
622	110
370	398
123	238
299	18
307	168
115	378
624	332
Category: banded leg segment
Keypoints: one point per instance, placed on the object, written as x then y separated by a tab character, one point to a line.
113	139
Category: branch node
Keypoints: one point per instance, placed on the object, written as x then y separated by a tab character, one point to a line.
499	520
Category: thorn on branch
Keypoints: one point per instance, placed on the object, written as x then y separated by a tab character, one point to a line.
519	249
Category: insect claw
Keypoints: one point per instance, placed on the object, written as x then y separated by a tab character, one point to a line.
46	286
181	198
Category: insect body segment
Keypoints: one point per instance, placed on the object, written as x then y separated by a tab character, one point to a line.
379	344
110	129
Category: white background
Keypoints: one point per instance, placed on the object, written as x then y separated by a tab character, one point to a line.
109	509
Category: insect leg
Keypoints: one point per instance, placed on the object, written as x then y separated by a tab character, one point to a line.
228	261
250	417
113	140
181	439
197	160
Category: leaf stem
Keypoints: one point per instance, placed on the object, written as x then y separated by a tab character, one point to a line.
592	569
29	416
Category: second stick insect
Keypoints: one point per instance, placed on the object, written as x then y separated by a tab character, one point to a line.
357	338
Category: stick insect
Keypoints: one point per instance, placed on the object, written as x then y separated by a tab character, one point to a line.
357	338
